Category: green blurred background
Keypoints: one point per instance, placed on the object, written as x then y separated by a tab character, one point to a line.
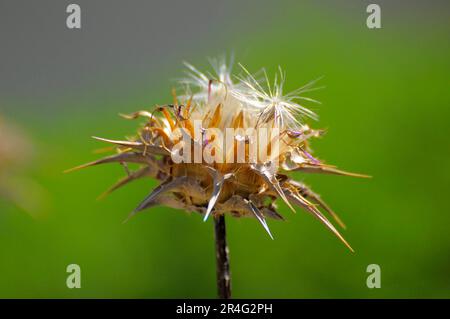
385	105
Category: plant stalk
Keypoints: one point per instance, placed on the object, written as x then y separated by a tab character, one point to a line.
222	259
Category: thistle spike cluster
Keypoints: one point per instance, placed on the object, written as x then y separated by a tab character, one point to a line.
248	188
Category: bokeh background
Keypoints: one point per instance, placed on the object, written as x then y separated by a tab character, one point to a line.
385	105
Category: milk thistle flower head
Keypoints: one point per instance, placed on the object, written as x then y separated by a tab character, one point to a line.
182	144
226	145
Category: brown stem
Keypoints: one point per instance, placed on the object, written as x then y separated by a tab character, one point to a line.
222	259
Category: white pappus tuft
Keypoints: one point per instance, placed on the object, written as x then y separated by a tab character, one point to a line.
258	96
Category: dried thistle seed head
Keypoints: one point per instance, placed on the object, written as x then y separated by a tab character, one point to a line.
202	168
